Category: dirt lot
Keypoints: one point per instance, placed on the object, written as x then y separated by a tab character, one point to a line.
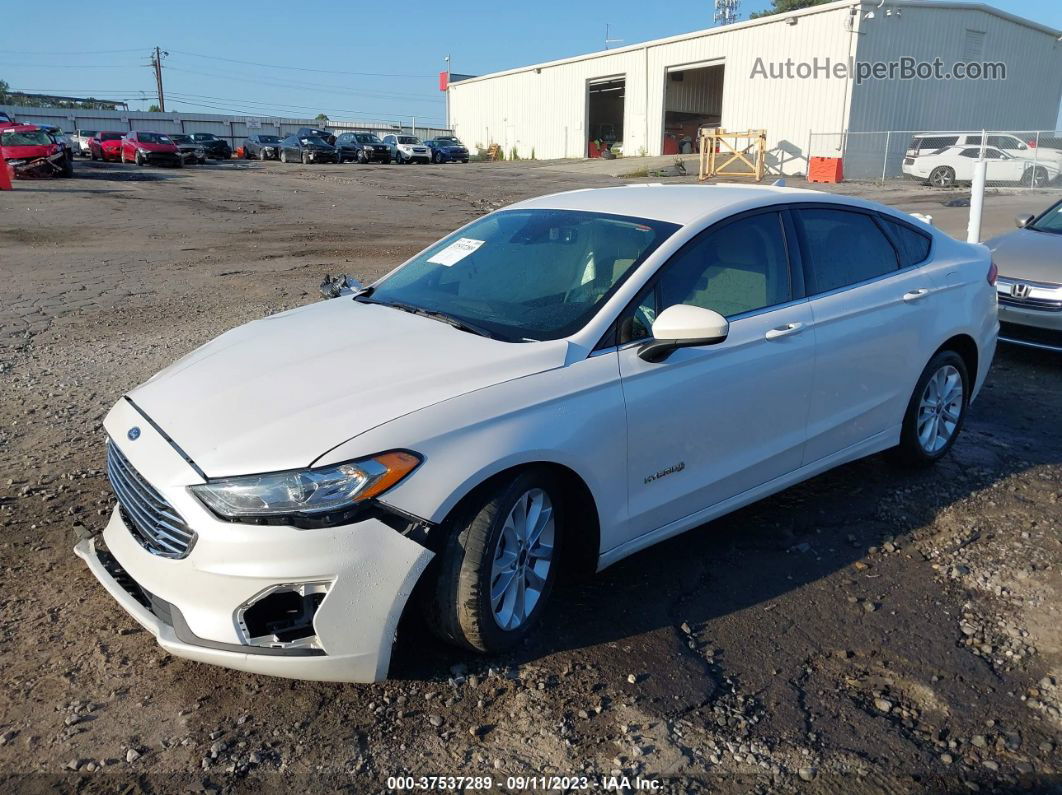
867	631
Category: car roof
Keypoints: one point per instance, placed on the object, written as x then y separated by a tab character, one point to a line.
22	128
684	204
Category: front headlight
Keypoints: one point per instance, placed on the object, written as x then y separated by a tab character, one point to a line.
306	491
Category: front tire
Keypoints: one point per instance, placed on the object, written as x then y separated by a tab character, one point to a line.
436	158
936	412
498	565
283	155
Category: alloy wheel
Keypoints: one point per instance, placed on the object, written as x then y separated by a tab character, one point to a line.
522	559
940	409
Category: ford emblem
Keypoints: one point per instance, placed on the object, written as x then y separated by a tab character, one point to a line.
134	434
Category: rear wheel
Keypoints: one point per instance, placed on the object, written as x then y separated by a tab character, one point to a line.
942	177
936	411
498	565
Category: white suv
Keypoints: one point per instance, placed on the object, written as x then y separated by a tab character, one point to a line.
572	378
407	149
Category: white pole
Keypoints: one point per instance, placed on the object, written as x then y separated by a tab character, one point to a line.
414	126
977	195
885	163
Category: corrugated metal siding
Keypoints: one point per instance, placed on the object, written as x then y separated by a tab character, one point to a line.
232	128
1028	99
700	91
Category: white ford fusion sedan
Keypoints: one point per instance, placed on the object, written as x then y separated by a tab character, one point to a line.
570	379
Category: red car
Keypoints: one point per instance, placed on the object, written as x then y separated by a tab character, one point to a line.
106	146
151	148
33	151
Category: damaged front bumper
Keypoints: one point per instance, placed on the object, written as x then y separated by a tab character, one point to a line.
320	604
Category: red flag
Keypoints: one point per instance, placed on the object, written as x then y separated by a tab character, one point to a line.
444	80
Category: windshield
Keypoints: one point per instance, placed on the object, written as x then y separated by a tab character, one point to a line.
204	137
448	141
268	139
111	136
1051	221
34	138
314	142
181	139
153	138
367	138
408	139
87	133
526	275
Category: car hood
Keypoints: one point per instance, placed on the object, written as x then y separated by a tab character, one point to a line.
24	152
1028	254
156	147
279	392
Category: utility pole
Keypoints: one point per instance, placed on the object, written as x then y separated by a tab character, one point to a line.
447	59
156	63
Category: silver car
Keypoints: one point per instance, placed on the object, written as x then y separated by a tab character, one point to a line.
1029	286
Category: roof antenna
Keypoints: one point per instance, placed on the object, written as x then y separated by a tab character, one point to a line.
778	183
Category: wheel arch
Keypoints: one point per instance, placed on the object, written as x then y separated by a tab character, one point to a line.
964	345
579	502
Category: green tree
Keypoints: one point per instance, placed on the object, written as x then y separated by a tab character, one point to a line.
4	88
320	117
154	109
781	6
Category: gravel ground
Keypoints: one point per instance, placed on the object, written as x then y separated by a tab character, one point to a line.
870	630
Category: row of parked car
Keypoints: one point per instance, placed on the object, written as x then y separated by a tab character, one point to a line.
143	147
311	145
944	160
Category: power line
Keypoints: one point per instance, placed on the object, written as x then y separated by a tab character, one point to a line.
69	52
323	87
300	68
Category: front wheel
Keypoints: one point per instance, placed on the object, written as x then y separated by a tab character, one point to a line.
305	158
139	159
436	158
1035	177
283	155
936	411
498	565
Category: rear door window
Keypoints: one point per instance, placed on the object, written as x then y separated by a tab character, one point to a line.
841	248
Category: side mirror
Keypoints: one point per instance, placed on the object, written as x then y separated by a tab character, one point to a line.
1022	221
683	326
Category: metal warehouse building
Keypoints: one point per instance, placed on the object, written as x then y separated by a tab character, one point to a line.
651	95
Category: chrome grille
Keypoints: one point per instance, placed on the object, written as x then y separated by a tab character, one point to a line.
152	520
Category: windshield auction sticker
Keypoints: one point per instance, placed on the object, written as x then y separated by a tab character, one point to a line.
455	252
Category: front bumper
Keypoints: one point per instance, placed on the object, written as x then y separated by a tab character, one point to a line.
198	604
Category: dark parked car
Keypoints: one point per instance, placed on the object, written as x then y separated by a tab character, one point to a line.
261	147
315	132
447	149
364	147
191	152
299	149
215	147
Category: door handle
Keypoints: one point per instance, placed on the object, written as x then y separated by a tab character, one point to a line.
916	295
785	331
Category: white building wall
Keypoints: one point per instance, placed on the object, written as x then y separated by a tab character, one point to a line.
544	108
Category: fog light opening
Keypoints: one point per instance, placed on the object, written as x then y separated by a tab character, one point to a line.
282	616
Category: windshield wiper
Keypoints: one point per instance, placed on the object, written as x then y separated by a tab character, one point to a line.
434	314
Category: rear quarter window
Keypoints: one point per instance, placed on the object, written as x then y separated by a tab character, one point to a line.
912	246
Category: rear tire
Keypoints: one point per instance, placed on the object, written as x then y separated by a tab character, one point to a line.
498	565
936	412
942	177
1035	177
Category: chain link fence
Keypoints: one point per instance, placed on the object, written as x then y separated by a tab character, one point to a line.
945	159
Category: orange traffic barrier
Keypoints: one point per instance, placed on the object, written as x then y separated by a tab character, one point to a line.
5	175
240	153
825	169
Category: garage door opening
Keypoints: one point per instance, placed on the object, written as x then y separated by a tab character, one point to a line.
605	100
693	98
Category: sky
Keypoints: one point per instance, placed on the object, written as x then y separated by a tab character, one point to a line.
347	60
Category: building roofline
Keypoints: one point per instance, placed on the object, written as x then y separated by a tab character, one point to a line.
750	23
